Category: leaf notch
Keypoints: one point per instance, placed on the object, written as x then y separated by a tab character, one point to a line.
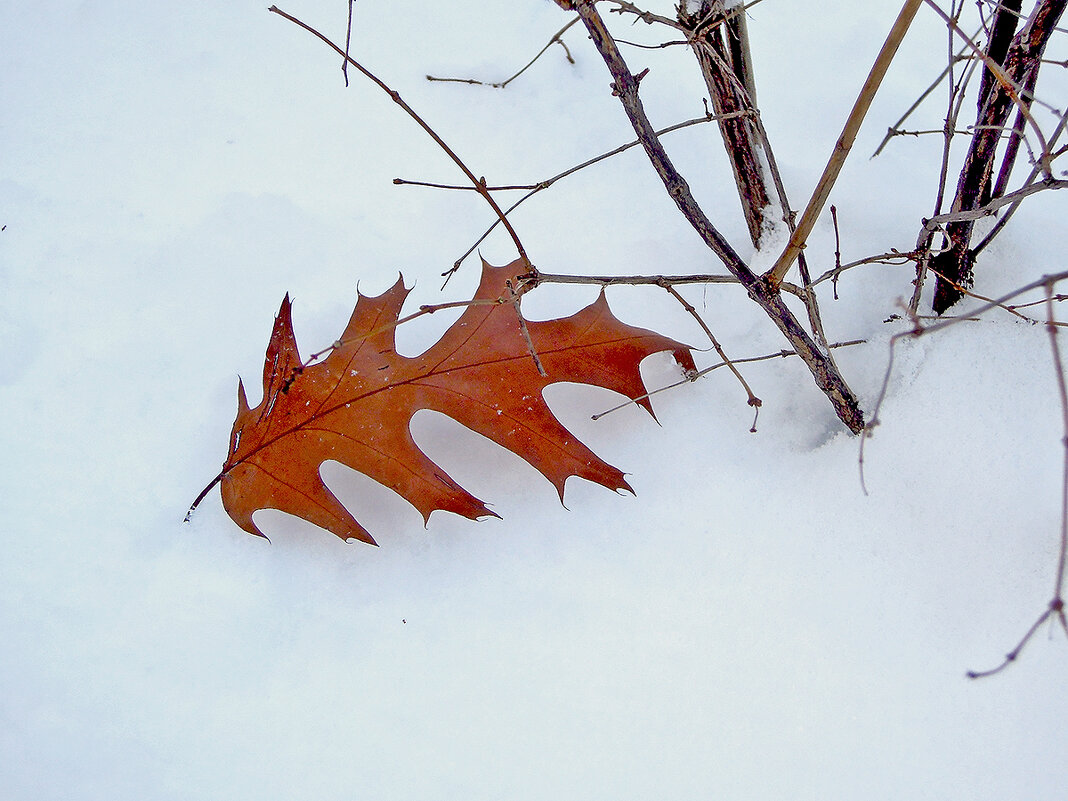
355	406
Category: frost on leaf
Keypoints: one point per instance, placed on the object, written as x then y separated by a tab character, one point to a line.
355	405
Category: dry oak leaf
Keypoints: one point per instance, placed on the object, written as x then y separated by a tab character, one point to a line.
356	404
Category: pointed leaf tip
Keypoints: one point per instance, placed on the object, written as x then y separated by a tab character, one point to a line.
356	404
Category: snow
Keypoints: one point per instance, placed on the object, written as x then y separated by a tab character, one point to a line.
749	625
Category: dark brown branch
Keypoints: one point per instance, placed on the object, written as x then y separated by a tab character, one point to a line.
826	375
1023	57
722	55
956	102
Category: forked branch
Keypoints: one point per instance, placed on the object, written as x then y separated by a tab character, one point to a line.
767	296
396	98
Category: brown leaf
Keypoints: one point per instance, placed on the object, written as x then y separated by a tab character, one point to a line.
356	404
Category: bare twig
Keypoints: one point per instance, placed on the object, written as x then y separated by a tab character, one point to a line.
555	39
918	330
1062	390
996	70
643	15
895	129
348	42
635	280
823	370
954	105
538	187
423	311
648	280
934	223
1004	219
837	251
893	258
1055	609
753	401
396	98
782	354
516	297
1013	77
844	143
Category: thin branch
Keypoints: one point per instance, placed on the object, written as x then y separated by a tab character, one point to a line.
933	223
1055	609
844	143
643	15
545	184
753	401
555	39
1003	221
956	102
423	310
635	280
396	98
895	129
647	280
625	84
534	189
348	42
782	354
1011	656
918	330
1062	391
837	271
516	297
894	258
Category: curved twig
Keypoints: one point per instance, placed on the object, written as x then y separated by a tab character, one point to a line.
396	98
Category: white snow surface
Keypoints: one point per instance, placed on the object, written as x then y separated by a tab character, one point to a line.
750	625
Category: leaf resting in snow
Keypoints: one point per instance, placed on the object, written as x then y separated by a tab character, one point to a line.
356	404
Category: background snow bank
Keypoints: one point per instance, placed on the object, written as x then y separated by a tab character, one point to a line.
749	626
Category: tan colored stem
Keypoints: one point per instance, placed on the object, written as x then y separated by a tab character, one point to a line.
845	142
